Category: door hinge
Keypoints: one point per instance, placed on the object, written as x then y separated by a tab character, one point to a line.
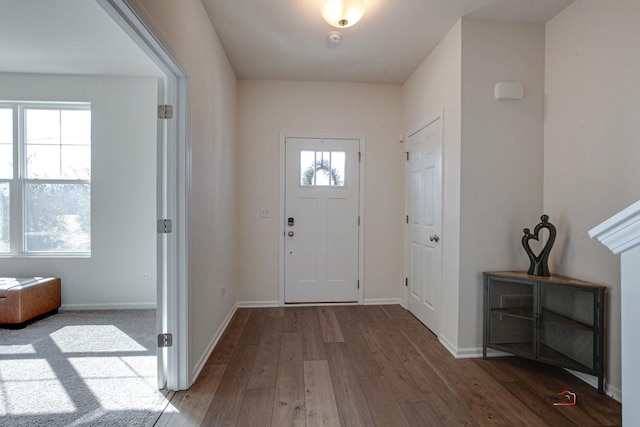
165	226
165	340
358	220
359	156
358	283
406	281
165	111
407	156
407	219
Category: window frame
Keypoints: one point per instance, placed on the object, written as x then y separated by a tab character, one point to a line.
19	181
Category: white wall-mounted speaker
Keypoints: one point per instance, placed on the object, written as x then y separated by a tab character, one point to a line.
507	90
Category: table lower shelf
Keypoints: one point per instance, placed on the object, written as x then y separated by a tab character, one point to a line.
547	354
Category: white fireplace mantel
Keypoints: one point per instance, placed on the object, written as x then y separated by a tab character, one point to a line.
621	234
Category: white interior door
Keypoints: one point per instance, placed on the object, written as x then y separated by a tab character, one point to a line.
425	224
172	255
321	221
163	211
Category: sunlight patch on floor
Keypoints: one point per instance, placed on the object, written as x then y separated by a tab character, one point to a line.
94	339
141	367
134	376
132	395
17	349
36	385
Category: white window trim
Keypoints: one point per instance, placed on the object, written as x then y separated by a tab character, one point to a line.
17	184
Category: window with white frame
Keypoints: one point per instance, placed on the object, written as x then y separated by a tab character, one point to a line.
45	178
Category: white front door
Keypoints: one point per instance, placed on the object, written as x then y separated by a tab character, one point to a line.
425	224
321	222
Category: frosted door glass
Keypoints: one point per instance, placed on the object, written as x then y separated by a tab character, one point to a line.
322	168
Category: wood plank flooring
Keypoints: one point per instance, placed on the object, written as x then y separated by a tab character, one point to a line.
370	366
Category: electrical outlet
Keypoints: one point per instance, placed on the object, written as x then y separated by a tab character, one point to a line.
265	212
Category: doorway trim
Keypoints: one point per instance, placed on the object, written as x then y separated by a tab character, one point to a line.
361	201
174	173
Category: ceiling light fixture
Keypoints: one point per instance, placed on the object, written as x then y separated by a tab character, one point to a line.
343	13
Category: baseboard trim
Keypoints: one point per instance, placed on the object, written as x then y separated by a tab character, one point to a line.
383	301
468	353
269	304
614	392
317	304
473	352
212	345
448	345
495	353
115	306
611	391
257	304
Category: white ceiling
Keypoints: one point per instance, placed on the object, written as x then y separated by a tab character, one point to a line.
264	39
67	37
287	39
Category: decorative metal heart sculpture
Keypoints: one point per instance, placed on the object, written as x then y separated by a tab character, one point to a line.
539	263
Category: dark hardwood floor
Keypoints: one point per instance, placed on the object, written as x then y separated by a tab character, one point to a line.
366	366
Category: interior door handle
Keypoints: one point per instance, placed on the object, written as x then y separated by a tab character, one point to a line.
434	238
291	233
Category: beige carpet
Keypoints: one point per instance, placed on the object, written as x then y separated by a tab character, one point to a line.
81	368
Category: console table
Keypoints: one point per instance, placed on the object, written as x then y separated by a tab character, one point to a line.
556	320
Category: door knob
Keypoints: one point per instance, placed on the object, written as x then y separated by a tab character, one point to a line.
290	233
434	238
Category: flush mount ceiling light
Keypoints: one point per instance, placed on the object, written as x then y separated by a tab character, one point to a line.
343	13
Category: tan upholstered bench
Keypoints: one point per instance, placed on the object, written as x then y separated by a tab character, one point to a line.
22	299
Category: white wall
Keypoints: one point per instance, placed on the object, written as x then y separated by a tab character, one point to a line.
492	159
434	87
185	30
123	187
267	108
502	158
592	142
590	61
